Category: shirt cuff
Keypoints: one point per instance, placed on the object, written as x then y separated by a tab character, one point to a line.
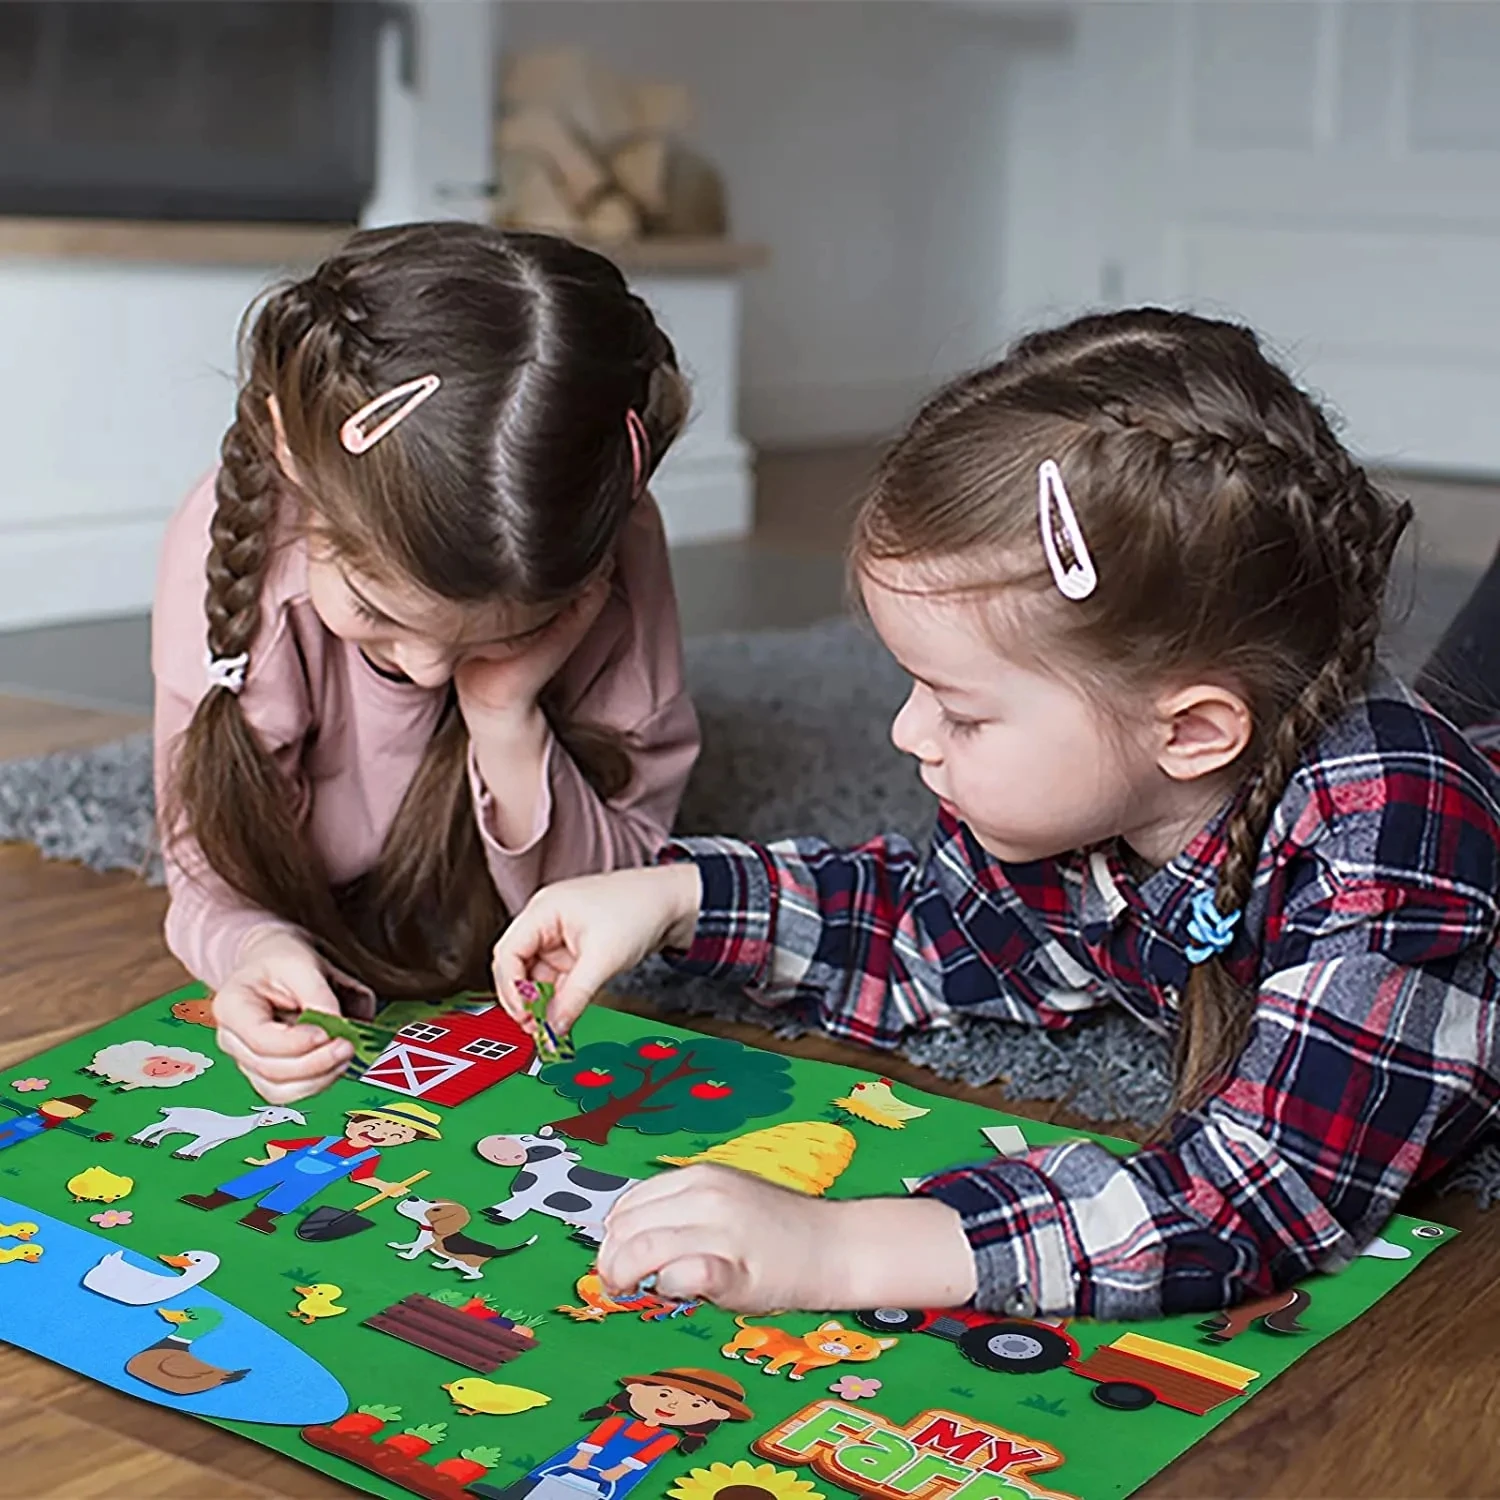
1017	1228
484	806
736	912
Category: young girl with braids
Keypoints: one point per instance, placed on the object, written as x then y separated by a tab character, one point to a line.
437	662
1137	584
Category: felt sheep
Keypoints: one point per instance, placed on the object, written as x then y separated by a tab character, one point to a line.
211	1128
144	1065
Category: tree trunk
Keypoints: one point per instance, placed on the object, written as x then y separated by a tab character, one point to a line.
594	1125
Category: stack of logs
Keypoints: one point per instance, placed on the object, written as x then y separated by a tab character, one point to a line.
585	153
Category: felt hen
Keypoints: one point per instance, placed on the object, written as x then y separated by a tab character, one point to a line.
873	1100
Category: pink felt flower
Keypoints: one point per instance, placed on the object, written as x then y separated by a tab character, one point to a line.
855	1388
29	1085
117	1218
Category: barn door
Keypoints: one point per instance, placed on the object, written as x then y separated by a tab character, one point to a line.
407	1069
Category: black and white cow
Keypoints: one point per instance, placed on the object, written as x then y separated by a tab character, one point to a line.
552	1181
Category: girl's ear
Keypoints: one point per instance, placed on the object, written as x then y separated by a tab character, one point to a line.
284	460
1203	728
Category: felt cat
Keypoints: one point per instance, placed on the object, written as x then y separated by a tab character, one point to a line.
829	1343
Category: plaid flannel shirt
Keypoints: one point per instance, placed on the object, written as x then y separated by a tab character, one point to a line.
1373	1056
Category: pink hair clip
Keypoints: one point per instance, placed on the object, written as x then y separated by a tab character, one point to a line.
1062	537
392	408
640	447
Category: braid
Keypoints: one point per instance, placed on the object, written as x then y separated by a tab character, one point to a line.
240	532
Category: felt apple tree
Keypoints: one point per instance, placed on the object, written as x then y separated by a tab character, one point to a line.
660	1084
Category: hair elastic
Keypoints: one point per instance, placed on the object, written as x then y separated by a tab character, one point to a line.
1210	930
227	672
397	404
1067	553
640	447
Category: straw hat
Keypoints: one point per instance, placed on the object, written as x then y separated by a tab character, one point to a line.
722	1390
413	1116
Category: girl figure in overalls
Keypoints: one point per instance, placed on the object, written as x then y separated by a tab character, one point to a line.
296	1171
656	1414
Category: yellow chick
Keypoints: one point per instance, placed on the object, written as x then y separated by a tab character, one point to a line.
472	1396
873	1100
22	1231
317	1302
97	1185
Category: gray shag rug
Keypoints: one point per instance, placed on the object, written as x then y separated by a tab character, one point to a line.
795	741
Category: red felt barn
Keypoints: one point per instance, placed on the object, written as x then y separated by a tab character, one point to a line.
451	1057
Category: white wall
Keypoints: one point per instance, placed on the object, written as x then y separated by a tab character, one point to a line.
861	141
1328	170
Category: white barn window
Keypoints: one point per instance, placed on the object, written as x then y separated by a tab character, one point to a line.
423	1031
486	1047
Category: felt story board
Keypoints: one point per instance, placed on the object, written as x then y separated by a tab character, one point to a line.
481	1358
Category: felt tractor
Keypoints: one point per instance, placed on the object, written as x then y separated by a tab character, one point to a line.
1014	1346
1130	1374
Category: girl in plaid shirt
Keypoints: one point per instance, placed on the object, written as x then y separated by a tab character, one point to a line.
1137	583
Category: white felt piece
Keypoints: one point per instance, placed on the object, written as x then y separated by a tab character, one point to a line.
911	1184
1380	1249
1008	1140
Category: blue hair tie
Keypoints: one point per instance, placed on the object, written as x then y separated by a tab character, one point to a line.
1209	930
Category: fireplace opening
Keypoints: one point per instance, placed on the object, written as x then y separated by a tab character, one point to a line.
260	110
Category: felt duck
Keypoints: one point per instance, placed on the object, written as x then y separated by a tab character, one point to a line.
30	1254
120	1282
318	1302
169	1366
22	1231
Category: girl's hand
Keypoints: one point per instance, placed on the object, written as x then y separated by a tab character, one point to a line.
505	685
279	976
578	934
711	1232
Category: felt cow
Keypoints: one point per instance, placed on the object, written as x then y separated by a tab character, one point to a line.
552	1181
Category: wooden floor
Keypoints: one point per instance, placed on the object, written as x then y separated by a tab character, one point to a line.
1406	1403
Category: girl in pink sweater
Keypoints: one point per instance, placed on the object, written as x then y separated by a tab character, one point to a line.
415	641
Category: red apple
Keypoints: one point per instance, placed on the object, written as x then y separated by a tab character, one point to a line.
656	1050
593	1078
710	1090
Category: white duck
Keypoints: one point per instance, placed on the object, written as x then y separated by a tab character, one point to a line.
113	1278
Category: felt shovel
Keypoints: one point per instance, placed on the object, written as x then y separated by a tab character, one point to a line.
329	1223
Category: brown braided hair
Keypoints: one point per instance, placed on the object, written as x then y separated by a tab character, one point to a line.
512	484
1236	539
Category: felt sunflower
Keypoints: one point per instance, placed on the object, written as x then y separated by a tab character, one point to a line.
742	1480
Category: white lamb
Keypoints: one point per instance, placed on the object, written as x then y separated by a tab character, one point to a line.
144	1065
211	1128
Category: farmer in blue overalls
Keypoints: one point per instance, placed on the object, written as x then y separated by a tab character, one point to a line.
52	1115
294	1171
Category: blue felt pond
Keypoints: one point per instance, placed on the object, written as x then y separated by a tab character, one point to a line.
45	1308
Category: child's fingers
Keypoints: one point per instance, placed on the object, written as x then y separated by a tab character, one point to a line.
624	1261
575	991
694	1278
329	1058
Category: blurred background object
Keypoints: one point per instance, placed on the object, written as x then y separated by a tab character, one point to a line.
834	205
584	152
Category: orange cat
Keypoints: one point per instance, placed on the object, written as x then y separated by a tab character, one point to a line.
829	1343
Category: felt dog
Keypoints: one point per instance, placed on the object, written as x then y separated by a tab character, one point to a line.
829	1343
442	1224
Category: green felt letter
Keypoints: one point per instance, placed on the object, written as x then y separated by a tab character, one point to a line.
928	1467
829	1425
878	1458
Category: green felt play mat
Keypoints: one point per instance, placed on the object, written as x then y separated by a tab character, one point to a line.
448	1401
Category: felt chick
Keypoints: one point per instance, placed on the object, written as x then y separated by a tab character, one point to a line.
1136	582
318	1301
415	641
471	1396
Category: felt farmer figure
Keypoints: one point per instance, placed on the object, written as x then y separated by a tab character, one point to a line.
654	1415
52	1115
297	1170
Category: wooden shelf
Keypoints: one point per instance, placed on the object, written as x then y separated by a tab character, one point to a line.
296	245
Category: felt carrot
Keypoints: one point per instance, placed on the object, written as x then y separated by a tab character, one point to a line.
471	1464
415	1441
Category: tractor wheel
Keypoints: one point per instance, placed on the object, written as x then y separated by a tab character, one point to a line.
889	1319
1123	1395
1017	1348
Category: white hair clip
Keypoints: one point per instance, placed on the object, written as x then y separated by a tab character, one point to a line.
392	408
1062	537
227	672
